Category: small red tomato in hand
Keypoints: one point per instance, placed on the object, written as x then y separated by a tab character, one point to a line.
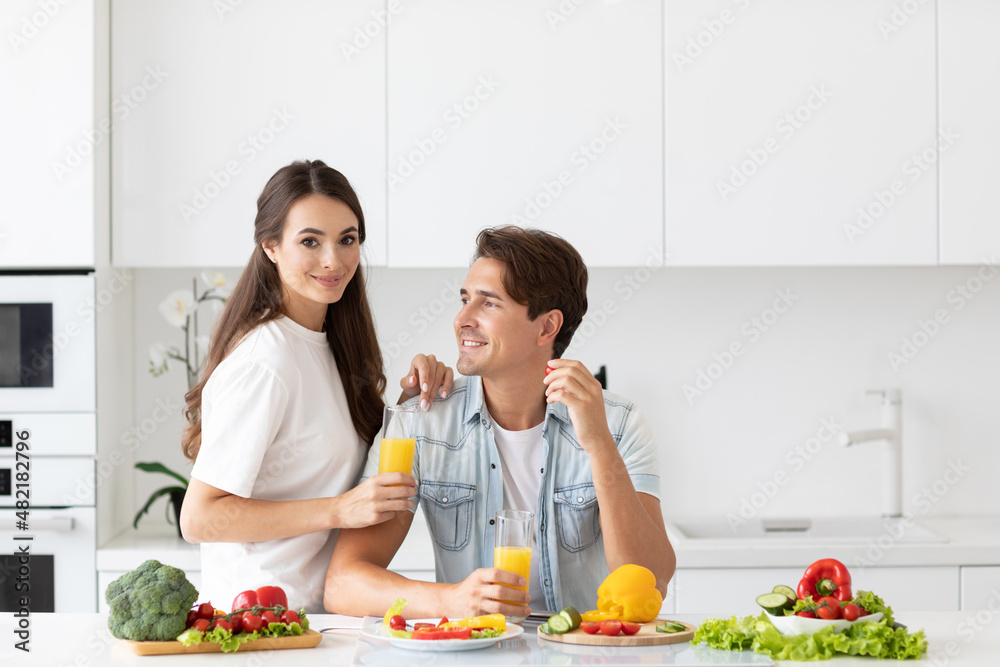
590	627
251	622
206	610
611	627
268	617
631	628
851	612
548	369
201	624
806	613
397	622
288	617
829	608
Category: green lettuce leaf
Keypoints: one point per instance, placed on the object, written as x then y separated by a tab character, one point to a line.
756	633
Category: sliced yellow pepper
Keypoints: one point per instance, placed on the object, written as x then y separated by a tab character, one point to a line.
488	621
629	593
596	615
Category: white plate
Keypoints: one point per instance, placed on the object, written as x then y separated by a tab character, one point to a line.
374	631
797	625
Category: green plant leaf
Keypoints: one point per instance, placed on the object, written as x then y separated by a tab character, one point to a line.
159	467
153	498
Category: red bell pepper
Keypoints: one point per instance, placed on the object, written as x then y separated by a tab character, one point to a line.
443	633
826	577
265	596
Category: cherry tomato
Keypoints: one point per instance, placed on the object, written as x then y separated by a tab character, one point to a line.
806	613
288	617
851	611
201	624
191	618
251	622
631	628
548	369
864	612
222	623
237	622
397	622
590	627
829	608
206	610
611	627
269	617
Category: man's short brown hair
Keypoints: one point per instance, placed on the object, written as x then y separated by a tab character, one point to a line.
541	271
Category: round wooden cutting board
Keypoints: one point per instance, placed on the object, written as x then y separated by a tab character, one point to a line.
647	636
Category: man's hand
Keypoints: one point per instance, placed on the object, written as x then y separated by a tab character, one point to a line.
481	593
571	384
427	377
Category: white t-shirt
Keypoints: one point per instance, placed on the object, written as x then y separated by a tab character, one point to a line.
521	464
276	426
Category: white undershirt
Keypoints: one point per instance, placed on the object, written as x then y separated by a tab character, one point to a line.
521	464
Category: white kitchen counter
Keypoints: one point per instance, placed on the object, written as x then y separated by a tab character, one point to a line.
971	541
82	640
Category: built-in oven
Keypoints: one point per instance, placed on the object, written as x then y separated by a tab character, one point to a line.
48	443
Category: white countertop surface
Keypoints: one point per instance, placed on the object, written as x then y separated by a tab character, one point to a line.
971	541
955	638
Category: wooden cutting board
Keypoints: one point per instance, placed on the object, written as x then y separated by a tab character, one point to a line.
647	636
307	639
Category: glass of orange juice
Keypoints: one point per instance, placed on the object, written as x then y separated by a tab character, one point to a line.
512	549
399	438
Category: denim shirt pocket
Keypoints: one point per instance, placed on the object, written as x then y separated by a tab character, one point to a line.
578	516
448	509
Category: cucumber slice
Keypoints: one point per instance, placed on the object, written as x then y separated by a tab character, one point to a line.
671	627
787	592
559	624
544	629
573	616
774	603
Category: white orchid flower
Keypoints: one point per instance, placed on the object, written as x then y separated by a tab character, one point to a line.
157	359
177	306
216	283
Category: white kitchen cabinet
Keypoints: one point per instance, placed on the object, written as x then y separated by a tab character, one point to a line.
50	134
969	61
536	114
796	133
981	588
734	591
210	99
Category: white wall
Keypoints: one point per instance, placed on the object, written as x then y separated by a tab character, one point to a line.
661	326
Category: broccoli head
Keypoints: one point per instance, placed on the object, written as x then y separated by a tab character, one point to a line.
149	603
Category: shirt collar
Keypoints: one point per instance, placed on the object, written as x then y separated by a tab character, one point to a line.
475	404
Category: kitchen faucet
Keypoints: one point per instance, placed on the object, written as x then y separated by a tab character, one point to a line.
891	434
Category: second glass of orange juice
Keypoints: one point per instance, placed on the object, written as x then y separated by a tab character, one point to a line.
399	439
512	549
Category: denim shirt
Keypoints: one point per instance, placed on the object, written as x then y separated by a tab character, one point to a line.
460	484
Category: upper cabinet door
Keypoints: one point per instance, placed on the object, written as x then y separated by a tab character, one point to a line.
211	98
801	133
970	106
50	134
545	115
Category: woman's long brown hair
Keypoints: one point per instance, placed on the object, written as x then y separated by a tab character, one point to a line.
257	299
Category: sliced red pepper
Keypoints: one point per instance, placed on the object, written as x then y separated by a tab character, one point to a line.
442	633
826	577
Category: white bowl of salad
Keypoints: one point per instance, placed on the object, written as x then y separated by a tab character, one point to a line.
800	625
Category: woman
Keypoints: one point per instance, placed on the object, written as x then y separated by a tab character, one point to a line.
290	399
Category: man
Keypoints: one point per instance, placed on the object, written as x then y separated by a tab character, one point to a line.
516	435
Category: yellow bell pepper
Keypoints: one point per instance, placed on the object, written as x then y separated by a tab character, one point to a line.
596	615
488	621
629	594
